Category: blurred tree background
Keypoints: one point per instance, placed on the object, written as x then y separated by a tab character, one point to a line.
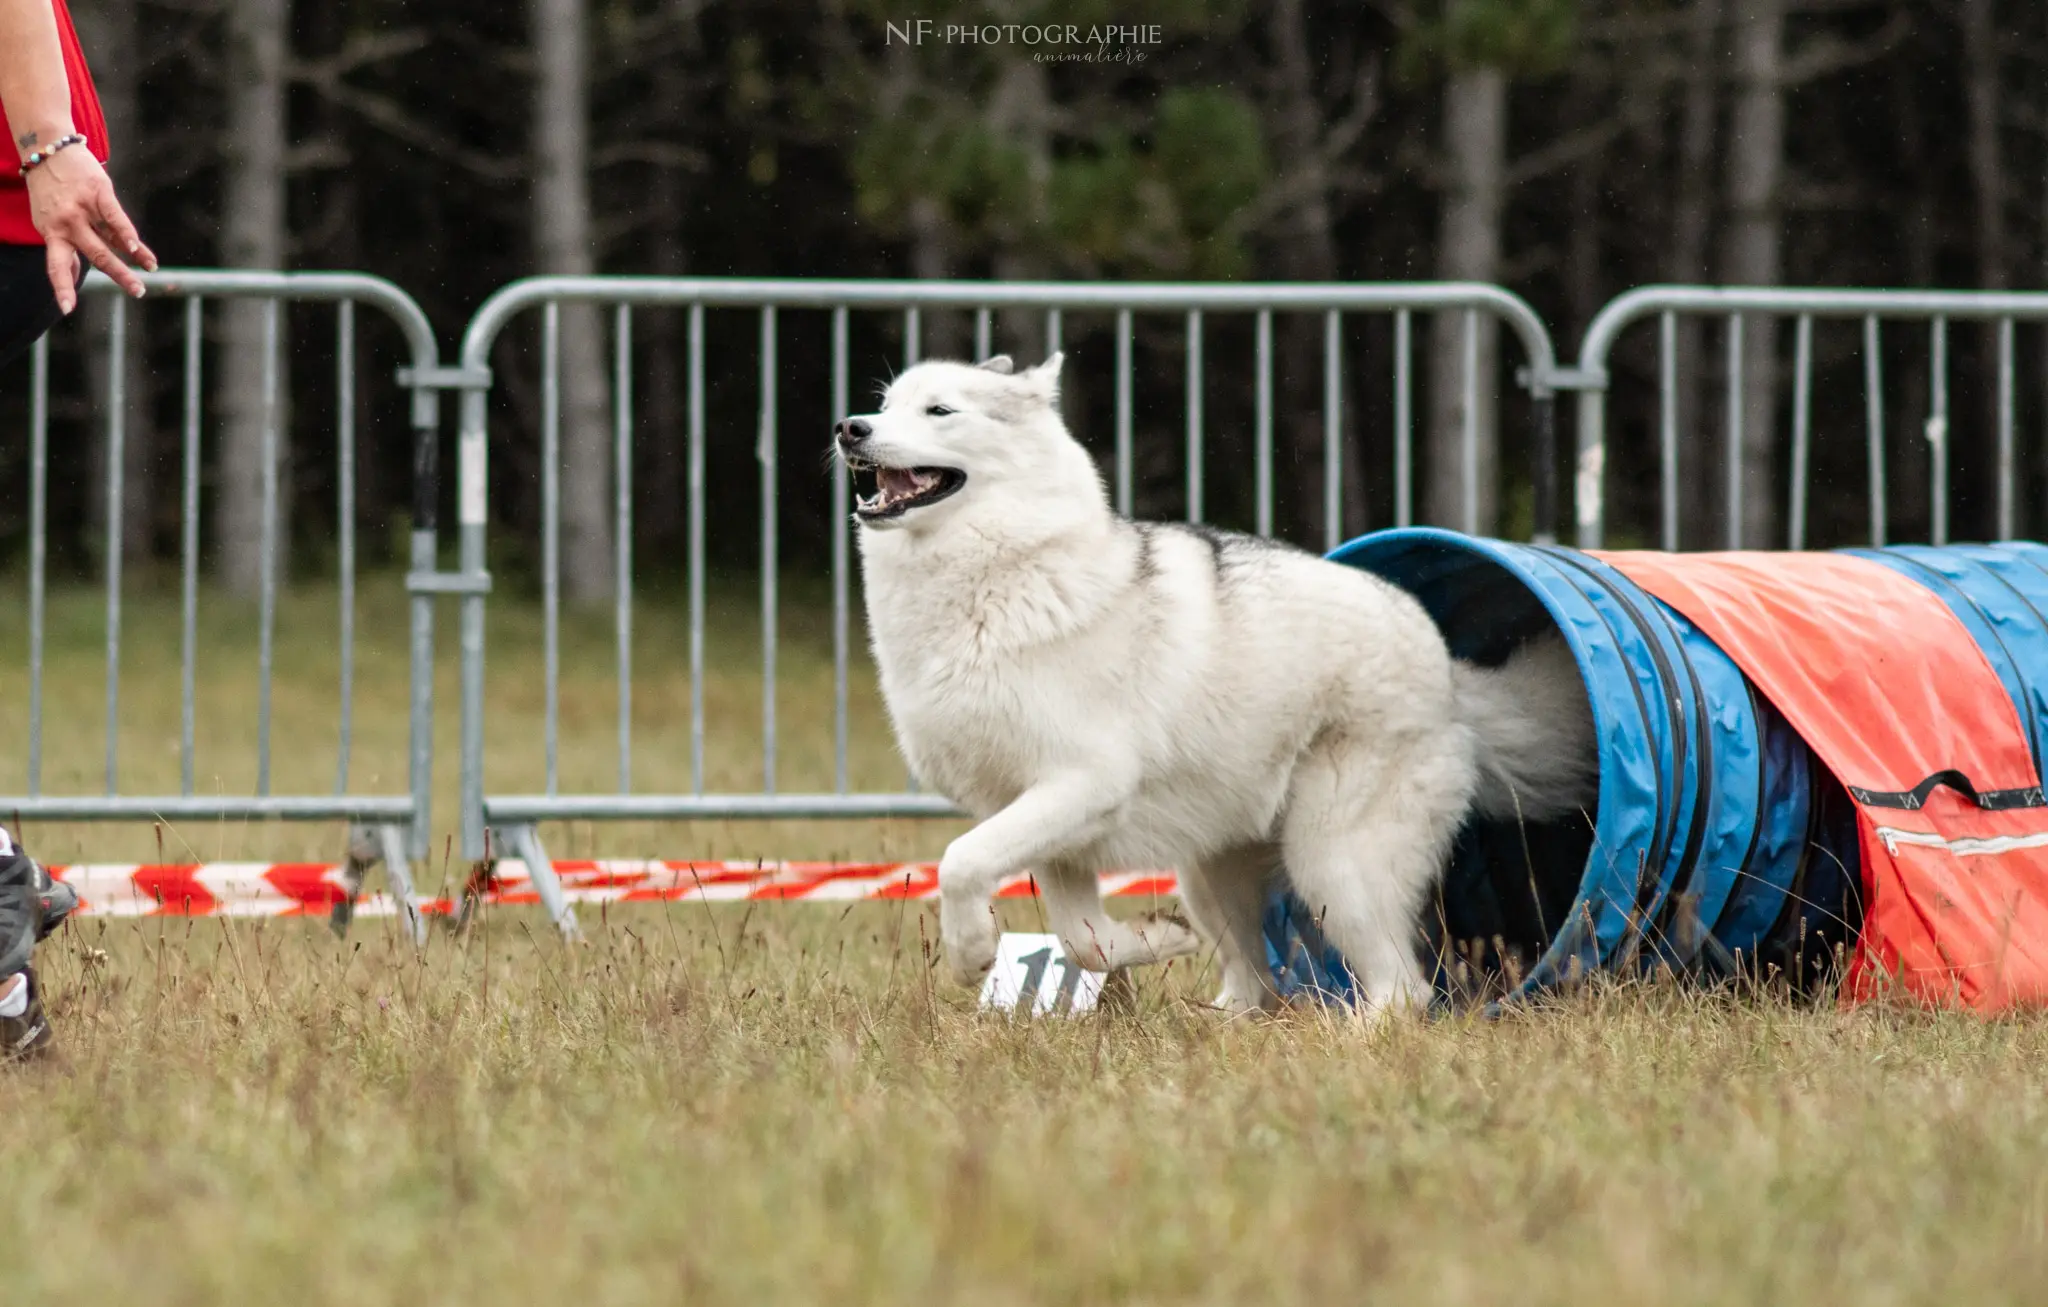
1568	149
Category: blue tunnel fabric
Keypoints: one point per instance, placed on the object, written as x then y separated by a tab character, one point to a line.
1701	854
2000	595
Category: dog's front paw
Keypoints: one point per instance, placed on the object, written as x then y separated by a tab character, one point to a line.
1244	1003
968	931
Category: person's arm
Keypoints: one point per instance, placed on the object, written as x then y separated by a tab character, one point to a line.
71	201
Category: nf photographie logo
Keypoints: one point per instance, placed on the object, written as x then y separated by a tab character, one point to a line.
1047	42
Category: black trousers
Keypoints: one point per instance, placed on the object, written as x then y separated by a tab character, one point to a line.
28	307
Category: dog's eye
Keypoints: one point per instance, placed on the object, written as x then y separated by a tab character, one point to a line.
938	411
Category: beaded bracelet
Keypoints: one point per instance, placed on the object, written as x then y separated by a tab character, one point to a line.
41	157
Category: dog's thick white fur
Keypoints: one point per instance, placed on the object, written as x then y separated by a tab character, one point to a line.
1100	693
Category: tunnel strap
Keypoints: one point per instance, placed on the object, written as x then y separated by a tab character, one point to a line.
2027	796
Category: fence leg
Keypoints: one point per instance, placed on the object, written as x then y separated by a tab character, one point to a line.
367	846
398	879
362	851
524	840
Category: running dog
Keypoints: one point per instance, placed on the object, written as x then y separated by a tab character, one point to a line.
1103	693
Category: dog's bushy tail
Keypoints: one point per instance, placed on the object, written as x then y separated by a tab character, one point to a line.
1538	758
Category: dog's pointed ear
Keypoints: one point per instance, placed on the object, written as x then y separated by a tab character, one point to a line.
1002	363
1047	374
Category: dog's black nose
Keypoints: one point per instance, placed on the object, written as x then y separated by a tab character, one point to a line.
853	431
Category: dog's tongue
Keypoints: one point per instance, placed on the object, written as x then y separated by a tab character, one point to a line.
896	482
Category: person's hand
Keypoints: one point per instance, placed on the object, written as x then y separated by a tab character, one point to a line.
71	202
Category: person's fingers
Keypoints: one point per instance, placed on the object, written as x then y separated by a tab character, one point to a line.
62	264
96	252
122	231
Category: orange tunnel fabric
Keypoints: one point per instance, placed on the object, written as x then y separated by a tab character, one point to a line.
1889	688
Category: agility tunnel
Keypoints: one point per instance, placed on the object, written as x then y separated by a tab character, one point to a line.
1818	767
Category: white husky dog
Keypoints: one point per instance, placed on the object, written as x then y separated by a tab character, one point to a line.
1101	693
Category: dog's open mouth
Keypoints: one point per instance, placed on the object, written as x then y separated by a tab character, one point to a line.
897	490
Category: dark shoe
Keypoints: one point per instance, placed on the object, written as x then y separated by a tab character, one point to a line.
58	902
32	904
21	908
27	1036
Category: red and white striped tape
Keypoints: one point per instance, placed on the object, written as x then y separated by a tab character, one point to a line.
288	889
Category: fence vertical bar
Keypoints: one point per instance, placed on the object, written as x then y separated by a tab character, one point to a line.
840	544
1667	425
1123	411
1469	436
473	454
345	519
913	351
984	333
188	550
1194	381
551	533
1589	467
765	454
1333	430
272	437
1734	421
2007	526
1873	410
38	548
696	486
622	540
1263	432
1937	431
117	458
1802	427
424	560
1404	419
1054	332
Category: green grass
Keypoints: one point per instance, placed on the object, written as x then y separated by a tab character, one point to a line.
712	1105
305	708
787	1104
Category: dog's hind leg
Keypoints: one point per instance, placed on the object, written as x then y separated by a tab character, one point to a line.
1368	827
1225	894
1094	939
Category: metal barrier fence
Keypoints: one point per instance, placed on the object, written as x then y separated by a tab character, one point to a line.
395	828
1668	303
513	817
390	828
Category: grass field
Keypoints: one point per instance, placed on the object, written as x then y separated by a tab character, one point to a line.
715	1106
787	1104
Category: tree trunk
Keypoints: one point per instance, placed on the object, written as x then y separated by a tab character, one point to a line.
661	512
382	499
1020	112
1987	179
562	245
1692	218
1307	251
1755	166
1987	163
109	31
1468	249
252	236
2024	515
1922	139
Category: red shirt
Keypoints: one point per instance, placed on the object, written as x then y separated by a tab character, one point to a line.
15	227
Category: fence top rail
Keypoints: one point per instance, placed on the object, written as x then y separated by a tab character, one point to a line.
1632	307
315	287
752	292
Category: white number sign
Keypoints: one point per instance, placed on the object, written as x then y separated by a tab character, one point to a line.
1033	975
